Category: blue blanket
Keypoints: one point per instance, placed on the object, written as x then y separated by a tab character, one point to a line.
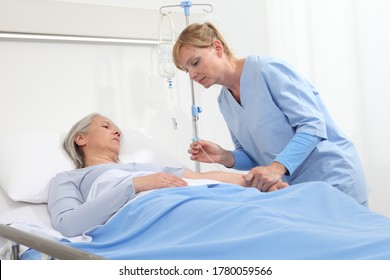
222	221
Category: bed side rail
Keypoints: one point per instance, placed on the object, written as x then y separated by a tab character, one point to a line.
46	246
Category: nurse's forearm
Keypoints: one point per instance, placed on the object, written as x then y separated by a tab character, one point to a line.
297	150
242	161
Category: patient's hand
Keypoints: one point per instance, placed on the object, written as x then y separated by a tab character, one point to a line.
157	181
277	186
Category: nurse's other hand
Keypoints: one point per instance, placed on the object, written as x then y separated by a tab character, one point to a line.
265	177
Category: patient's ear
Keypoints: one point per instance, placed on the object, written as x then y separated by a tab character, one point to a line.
80	140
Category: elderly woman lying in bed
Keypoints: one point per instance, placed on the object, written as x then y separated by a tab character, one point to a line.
99	186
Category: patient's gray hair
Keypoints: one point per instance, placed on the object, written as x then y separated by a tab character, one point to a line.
70	146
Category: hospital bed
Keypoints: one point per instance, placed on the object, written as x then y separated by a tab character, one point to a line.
206	220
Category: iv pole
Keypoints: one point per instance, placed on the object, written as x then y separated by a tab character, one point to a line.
195	110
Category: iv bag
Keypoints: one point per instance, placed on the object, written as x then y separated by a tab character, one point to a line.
167	68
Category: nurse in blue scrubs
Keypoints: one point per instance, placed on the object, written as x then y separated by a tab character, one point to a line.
280	127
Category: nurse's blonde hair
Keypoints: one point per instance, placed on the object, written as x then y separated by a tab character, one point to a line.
199	35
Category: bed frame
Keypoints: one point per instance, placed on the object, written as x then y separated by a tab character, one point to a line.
52	249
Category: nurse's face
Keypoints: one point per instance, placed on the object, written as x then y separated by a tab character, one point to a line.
202	64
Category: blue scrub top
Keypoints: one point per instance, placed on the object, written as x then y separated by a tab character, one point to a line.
277	102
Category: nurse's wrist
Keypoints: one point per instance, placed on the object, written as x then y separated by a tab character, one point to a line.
227	159
279	168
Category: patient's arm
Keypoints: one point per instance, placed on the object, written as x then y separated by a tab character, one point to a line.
157	181
71	215
227	177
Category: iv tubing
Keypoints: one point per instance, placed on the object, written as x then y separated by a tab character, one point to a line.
195	110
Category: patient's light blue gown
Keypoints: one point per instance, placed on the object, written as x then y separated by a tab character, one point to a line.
276	102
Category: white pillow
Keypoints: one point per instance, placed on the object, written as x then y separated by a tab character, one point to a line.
29	160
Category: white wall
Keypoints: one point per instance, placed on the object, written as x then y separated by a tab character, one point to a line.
341	46
373	45
49	86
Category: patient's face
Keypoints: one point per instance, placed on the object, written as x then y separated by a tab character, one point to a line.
103	137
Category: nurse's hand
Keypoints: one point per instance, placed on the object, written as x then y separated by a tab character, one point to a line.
205	151
266	178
